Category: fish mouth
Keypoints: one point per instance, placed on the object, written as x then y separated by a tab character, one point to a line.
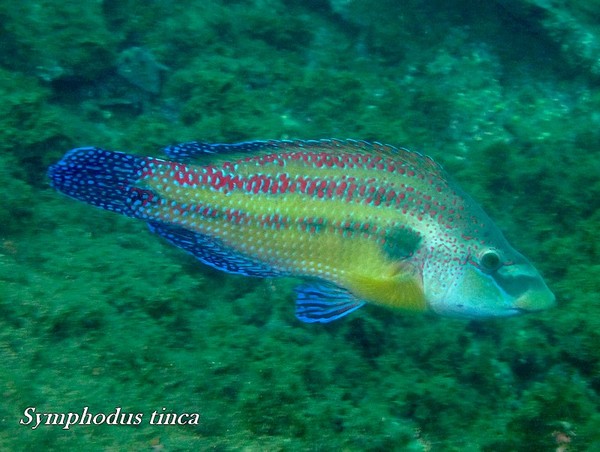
534	301
519	311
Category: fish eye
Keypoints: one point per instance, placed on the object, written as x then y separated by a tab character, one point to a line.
490	260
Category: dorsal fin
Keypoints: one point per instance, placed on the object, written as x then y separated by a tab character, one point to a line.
207	153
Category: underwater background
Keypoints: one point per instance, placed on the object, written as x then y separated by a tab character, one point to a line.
96	312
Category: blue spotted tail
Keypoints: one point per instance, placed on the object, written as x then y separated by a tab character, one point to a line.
98	177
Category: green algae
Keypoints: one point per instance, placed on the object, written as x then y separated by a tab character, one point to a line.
97	312
40	43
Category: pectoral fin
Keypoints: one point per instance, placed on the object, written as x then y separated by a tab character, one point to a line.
323	303
401	290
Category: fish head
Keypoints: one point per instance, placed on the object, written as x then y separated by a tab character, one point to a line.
482	278
486	285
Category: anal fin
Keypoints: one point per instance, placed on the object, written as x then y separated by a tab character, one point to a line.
212	251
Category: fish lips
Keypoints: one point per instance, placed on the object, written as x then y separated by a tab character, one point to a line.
508	291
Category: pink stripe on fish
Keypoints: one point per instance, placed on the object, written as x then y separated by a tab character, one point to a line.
403	196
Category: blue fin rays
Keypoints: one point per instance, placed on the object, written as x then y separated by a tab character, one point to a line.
320	302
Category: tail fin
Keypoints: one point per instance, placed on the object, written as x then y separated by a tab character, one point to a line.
98	177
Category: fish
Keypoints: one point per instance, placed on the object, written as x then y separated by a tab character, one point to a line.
356	222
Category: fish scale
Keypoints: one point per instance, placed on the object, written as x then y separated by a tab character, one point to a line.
359	222
343	186
305	204
222	206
